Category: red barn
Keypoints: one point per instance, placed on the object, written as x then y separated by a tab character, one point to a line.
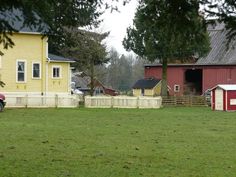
218	67
193	79
224	98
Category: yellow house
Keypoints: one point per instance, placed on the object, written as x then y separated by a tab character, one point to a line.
27	68
147	87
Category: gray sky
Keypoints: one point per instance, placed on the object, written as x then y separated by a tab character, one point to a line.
116	23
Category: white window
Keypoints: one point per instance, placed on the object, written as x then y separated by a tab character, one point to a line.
98	91
176	88
36	71
20	71
56	72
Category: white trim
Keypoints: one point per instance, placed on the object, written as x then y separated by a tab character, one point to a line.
38	62
225	86
47	49
212	99
60	71
34	93
55	61
25	71
226	100
24	32
69	79
46	79
1	61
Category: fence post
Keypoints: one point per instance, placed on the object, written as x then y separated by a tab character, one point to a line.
138	101
112	101
26	100
56	100
175	100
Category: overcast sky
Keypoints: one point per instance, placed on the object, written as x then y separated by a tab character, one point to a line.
117	22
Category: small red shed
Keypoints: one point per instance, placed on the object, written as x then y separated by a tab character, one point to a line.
224	97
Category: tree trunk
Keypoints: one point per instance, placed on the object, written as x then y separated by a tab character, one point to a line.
164	89
91	78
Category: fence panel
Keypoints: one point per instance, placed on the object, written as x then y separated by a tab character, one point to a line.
184	101
150	102
98	102
122	102
125	102
38	101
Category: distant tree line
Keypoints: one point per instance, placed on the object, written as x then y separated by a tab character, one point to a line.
121	72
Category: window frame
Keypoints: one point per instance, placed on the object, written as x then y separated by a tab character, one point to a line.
33	70
176	88
25	71
60	72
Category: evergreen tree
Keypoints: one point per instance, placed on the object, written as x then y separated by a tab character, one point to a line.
167	30
87	49
56	14
224	11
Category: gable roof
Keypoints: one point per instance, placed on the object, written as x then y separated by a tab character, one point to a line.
147	83
56	58
225	86
15	18
219	54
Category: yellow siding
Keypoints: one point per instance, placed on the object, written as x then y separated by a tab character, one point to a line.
157	89
58	84
30	48
137	92
148	92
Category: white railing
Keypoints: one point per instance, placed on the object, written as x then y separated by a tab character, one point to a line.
38	101
122	102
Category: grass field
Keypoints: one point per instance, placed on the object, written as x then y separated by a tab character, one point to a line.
170	142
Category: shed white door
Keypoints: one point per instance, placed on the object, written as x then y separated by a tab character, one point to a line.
219	99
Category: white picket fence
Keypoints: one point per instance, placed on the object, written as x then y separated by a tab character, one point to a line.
122	102
38	101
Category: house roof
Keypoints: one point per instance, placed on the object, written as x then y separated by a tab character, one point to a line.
15	18
147	83
225	86
220	53
82	82
56	58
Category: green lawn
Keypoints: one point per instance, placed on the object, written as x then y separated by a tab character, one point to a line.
170	142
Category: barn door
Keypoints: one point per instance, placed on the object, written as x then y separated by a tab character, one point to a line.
219	99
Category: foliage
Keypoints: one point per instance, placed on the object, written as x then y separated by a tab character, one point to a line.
120	71
56	14
167	30
2	84
123	71
224	11
87	48
179	142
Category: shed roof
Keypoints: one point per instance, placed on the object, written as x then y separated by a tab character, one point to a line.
56	58
147	83
225	86
15	18
220	53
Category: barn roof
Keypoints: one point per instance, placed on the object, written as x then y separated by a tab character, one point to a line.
15	19
225	86
188	65
147	83
220	52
